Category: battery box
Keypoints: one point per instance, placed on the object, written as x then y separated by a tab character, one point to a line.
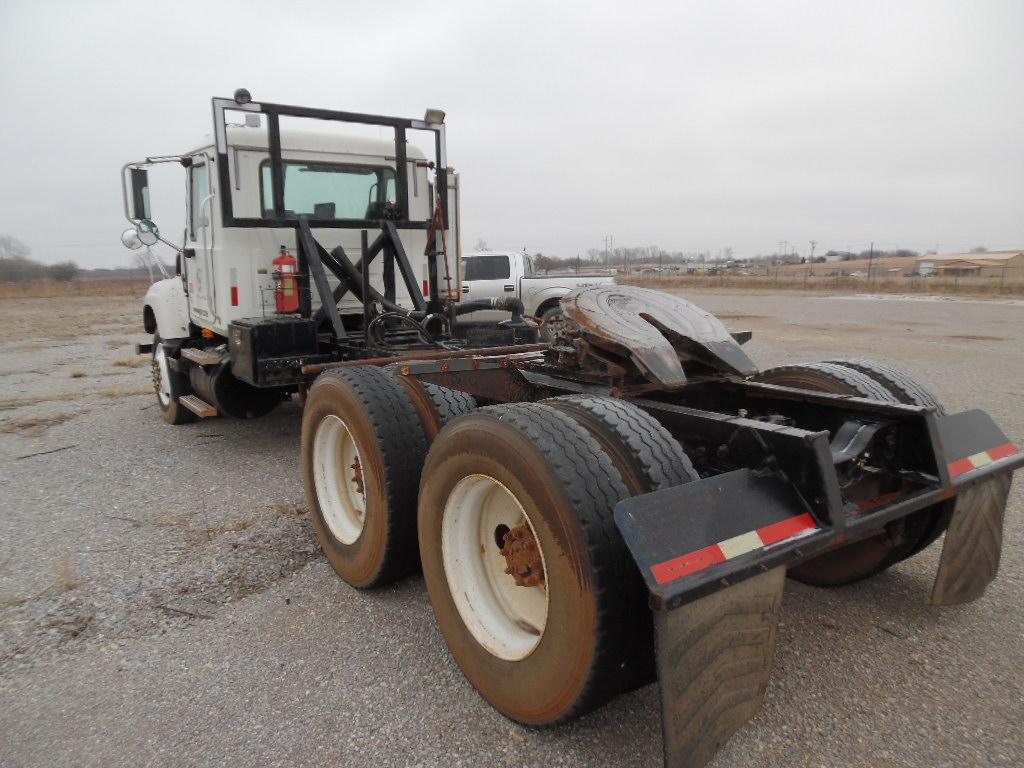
270	351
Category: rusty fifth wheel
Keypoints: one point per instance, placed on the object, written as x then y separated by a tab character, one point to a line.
362	450
522	561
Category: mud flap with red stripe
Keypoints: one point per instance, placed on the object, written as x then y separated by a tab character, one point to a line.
713	645
980	461
714	659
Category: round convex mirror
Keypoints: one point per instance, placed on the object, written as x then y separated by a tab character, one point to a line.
130	239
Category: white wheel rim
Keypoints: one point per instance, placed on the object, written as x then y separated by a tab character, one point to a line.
162	382
505	618
339	477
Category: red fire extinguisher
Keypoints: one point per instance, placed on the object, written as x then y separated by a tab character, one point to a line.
286	282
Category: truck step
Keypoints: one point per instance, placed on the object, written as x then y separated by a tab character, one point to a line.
199	407
201	356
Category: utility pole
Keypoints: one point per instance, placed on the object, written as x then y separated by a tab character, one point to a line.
813	244
871	259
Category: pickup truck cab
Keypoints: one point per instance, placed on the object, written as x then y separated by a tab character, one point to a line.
489	274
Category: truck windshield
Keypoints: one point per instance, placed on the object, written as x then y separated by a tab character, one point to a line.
328	191
486	268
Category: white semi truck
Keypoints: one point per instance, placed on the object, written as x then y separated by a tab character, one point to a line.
620	503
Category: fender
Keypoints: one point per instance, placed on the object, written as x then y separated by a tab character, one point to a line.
166	309
535	299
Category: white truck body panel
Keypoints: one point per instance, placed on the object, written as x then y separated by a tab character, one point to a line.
166	299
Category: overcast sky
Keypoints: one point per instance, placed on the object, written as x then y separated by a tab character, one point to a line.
691	125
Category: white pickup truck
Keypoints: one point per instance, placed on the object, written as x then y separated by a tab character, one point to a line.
489	274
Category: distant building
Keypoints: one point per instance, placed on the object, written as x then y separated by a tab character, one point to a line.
998	264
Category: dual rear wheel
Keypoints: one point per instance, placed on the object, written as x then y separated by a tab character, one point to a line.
532	587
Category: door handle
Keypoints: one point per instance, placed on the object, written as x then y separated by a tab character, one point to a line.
510	287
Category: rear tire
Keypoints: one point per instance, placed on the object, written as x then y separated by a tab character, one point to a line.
899	384
535	459
435	405
867	557
362	453
649	459
922	528
644	452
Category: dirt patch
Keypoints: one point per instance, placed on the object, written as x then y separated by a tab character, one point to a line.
7	403
973	337
130	362
34	426
205	565
740	316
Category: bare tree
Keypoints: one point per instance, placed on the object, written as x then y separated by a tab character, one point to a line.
481	245
64	272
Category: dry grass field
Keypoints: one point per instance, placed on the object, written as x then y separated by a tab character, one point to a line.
812	278
43	289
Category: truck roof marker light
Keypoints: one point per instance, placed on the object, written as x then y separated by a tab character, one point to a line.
207	333
434	116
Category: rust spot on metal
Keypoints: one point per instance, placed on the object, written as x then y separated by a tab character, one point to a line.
357	475
522	555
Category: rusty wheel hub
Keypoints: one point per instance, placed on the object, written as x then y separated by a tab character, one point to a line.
357	475
522	555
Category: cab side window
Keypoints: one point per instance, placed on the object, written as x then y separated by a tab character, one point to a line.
527	266
199	182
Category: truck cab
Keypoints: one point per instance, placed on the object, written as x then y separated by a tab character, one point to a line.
312	236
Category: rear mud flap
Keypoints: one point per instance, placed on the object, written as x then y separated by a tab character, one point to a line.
974	539
714	659
980	464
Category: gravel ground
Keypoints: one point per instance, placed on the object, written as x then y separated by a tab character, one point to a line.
163	600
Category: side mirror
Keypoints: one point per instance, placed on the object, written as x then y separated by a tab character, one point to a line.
139	180
130	239
148	232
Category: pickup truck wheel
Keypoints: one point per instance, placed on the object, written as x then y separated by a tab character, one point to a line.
362	452
553	322
867	557
525	569
169	385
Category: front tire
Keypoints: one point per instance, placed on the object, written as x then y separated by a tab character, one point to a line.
520	497
362	453
169	385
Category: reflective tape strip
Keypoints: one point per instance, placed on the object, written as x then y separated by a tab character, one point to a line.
979	460
684	565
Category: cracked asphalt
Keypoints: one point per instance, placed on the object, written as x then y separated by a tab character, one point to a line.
163	601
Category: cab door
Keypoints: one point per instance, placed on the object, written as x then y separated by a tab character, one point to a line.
487	276
198	265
